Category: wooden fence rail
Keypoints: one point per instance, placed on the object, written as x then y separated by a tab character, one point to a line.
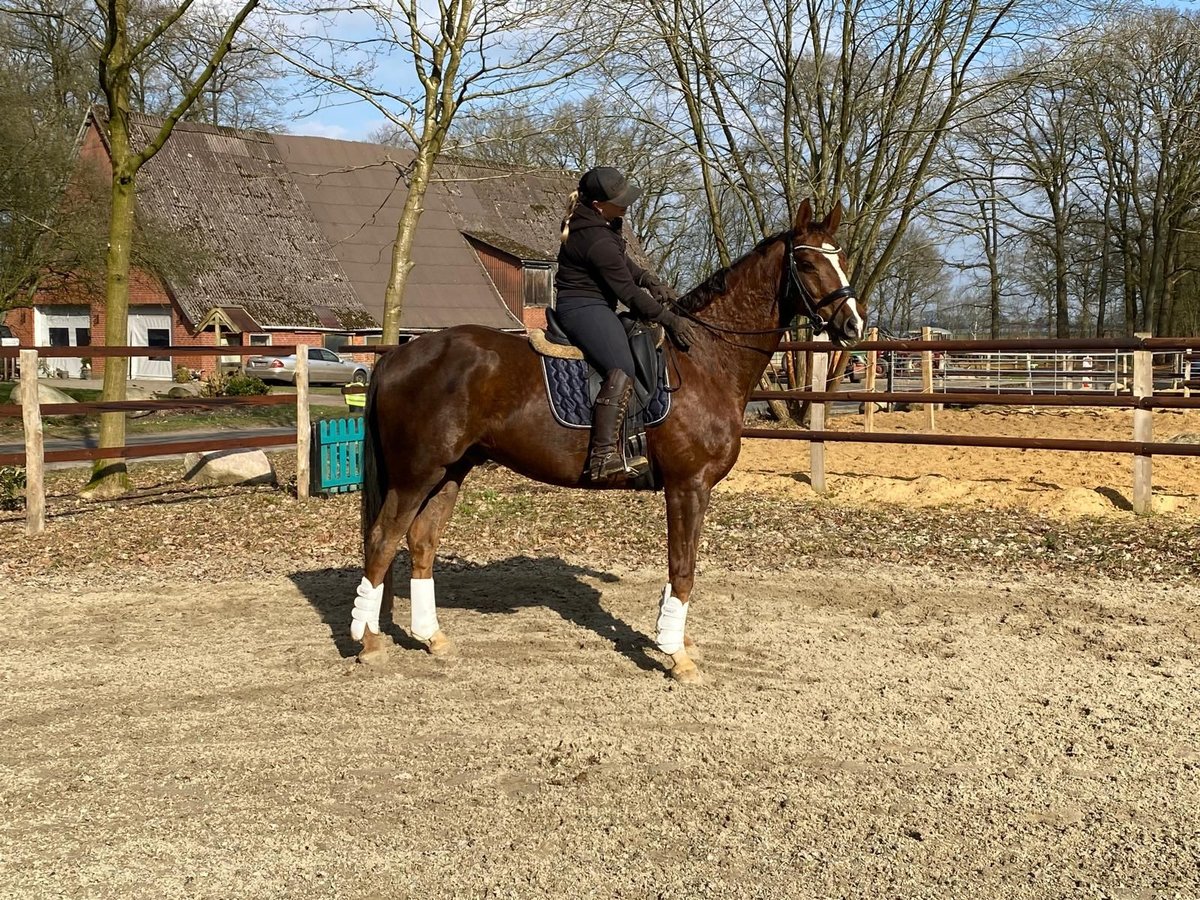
35	456
1141	400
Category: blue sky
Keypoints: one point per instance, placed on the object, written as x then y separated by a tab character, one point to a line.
351	120
348	118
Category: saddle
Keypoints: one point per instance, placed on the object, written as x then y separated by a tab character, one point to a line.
572	384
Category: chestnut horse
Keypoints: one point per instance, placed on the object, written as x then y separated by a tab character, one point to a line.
441	404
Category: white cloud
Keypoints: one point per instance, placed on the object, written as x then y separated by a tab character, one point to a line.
324	129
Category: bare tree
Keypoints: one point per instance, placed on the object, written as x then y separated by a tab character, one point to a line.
777	99
244	89
1142	83
1044	133
915	286
462	52
577	135
121	44
47	43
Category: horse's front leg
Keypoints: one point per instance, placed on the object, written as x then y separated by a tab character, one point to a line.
686	505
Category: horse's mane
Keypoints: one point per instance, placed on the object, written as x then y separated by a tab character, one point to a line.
703	294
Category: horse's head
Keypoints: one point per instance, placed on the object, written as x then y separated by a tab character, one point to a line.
816	278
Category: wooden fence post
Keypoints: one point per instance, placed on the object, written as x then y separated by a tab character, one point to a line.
869	383
820	376
35	455
303	423
1143	428
927	375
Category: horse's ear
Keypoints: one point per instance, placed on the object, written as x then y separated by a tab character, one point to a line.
833	220
803	217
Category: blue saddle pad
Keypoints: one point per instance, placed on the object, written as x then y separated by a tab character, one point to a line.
567	388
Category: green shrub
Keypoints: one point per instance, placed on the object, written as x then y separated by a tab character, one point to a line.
243	385
238	384
183	375
12	487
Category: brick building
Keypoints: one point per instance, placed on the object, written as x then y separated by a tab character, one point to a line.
295	236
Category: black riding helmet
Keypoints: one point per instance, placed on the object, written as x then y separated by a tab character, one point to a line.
608	184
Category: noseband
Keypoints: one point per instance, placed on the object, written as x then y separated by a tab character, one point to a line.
812	306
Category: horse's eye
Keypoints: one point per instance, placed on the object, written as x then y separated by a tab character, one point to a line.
806	265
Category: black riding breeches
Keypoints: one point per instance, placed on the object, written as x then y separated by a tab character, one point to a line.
593	327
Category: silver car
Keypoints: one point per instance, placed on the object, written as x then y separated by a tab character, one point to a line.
324	367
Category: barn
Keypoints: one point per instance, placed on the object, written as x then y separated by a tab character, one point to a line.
294	235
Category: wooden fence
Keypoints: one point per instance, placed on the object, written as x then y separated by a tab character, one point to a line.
1140	398
35	456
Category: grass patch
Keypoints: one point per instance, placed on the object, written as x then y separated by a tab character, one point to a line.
493	506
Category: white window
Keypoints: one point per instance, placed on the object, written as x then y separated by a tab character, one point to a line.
260	340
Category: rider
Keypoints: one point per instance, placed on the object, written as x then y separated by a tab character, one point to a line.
594	273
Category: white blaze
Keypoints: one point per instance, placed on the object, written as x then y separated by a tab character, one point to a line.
831	254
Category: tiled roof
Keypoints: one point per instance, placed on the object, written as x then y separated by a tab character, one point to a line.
509	246
299	230
229	193
357	192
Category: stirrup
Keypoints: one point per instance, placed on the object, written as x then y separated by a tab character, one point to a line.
614	464
606	467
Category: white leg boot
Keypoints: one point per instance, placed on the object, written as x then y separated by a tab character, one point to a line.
365	615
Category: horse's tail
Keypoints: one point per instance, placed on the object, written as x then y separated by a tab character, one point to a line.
374	465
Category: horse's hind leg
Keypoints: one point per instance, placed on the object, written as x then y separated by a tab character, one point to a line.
423	537
400	507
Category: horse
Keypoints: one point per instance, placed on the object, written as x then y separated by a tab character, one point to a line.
448	401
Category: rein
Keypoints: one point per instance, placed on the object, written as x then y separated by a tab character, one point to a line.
811	308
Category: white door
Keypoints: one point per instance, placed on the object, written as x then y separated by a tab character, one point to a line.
150	326
62	326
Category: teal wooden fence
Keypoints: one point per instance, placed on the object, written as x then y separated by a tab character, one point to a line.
337	452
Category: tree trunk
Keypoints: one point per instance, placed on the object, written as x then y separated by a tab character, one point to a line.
110	475
1062	314
406	232
1105	265
779	408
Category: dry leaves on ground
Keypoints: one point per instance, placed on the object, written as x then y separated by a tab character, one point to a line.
168	529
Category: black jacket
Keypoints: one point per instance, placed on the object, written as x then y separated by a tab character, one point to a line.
593	263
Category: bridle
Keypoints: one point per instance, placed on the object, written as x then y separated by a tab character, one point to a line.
810	306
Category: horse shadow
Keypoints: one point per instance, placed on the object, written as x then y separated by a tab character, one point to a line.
495	588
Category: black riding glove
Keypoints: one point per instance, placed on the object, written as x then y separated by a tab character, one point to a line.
663	293
682	332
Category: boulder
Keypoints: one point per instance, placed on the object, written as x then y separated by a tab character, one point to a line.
138	392
229	467
46	394
184	391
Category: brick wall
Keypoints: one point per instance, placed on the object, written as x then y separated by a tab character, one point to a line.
534	316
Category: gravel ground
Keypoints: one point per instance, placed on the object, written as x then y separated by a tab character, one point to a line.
898	703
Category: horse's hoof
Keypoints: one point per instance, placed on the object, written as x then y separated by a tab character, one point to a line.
683	669
376	656
692	649
374	649
439	645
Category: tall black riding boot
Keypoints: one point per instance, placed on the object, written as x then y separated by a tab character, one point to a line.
607	460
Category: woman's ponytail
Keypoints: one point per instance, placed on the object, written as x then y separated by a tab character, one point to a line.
566	222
